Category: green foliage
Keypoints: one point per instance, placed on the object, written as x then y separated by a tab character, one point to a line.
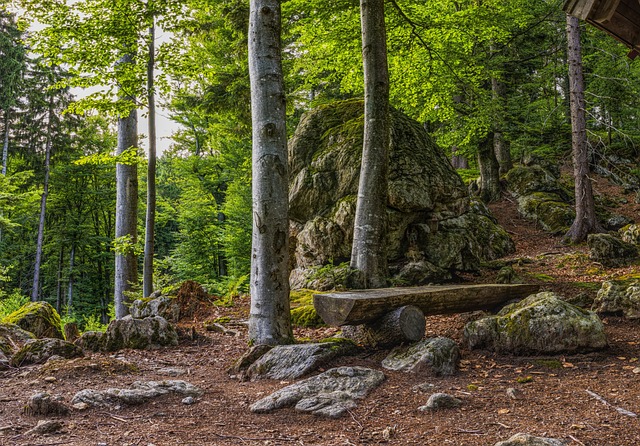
92	323
468	175
10	303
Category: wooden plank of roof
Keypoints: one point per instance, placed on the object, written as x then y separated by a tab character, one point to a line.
580	8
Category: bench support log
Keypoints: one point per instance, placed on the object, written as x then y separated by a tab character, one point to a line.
404	324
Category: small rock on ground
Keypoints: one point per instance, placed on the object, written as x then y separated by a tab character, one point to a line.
530	440
44	404
45	427
441	355
440	401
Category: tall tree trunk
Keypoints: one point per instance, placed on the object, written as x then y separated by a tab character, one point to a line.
500	145
270	320
59	280
35	291
126	267
368	253
72	257
5	146
458	161
147	272
586	221
489	171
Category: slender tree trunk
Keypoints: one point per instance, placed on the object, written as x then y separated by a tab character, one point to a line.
489	171
500	145
458	161
72	257
5	146
126	267
368	253
59	280
35	291
270	320
586	221
147	274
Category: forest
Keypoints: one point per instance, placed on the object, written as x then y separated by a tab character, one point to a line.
73	72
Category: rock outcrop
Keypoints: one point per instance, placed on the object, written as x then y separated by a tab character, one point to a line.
37	351
431	221
610	250
148	333
618	298
542	323
38	318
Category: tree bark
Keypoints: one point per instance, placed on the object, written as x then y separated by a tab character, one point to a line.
586	221
500	146
72	258
489	171
59	280
269	320
147	271
35	291
126	267
5	145
404	324
458	161
368	253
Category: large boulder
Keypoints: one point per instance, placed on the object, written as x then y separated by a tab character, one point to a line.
39	318
163	306
610	250
330	394
618	298
440	355
148	333
542	323
430	217
38	351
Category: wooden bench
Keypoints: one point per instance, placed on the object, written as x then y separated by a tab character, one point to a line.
393	315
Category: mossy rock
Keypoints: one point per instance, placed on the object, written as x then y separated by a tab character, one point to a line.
12	336
38	351
610	250
548	210
541	324
619	298
39	318
148	333
306	316
527	180
630	234
92	341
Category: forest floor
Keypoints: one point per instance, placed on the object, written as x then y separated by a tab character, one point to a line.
554	399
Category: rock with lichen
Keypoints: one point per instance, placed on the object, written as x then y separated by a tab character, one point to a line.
541	323
38	318
38	351
439	355
530	440
148	333
618	298
611	251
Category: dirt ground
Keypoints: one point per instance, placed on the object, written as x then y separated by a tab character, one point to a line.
553	392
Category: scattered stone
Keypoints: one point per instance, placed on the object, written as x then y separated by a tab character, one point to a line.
148	333
432	223
618	298
610	250
424	387
172	371
530	440
508	275
329	394
44	404
45	427
38	318
38	351
91	341
514	394
630	234
541	323
80	406
189	401
139	393
616	222
163	306
441	355
50	379
440	401
294	361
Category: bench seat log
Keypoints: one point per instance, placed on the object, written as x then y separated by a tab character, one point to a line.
361	306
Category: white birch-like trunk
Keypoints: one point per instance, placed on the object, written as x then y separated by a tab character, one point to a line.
270	320
35	291
126	267
368	253
147	270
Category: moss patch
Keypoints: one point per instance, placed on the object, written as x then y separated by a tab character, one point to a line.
39	318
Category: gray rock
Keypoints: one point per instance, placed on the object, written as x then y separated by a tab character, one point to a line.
148	333
294	361
440	401
92	341
329	394
139	393
39	318
44	404
530	440
610	250
616	222
548	210
162	306
507	275
430	217
172	371
618	298
527	180
188	401
541	323
630	234
38	351
441	355
13	337
45	427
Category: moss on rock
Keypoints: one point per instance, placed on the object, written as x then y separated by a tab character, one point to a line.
38	351
39	318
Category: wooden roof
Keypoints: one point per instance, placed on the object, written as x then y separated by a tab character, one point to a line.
619	18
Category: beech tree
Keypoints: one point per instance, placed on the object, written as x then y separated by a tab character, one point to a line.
269	320
586	221
368	253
